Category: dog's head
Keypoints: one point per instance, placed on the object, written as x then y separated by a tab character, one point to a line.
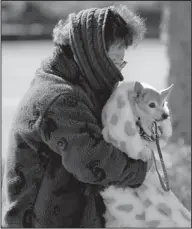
151	103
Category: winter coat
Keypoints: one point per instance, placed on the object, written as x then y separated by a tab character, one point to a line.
57	157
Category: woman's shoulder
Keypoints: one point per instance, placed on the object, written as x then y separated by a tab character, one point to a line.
42	92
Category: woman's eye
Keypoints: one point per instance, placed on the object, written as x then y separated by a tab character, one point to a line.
152	105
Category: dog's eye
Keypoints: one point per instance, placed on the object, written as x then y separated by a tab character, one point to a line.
152	105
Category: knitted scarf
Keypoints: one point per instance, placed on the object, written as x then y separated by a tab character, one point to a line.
87	42
84	33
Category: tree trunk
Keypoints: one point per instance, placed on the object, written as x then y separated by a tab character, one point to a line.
179	52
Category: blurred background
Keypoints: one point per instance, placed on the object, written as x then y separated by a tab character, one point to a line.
162	58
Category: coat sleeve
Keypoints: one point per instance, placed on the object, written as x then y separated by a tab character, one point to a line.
71	129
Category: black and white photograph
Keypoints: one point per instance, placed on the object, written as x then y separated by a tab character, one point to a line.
96	114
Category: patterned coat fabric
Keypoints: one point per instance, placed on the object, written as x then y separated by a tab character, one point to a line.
57	152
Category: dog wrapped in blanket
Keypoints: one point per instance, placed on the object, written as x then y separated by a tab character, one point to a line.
128	123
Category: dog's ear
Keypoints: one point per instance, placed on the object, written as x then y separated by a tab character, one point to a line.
166	92
138	88
61	32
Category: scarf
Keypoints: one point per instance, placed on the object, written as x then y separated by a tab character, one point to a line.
87	42
86	61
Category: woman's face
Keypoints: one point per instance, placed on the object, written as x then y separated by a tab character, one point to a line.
116	53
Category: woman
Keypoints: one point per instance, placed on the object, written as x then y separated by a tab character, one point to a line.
57	159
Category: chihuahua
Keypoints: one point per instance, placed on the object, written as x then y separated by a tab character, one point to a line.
131	107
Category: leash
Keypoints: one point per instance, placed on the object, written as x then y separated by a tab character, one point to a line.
165	185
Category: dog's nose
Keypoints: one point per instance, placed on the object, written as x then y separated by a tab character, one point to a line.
164	116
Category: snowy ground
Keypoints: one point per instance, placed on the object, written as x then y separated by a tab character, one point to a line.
148	63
